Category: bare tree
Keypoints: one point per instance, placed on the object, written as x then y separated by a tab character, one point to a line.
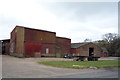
109	37
112	43
87	40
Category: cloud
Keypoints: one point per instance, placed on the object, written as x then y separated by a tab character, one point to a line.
88	20
76	20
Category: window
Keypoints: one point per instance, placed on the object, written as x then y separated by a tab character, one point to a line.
47	50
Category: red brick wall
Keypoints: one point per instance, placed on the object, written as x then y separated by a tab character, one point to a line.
40	36
75	51
7	49
31	48
64	44
51	49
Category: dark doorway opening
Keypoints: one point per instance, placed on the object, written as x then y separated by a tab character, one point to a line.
91	51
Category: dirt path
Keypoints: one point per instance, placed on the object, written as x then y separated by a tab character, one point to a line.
13	67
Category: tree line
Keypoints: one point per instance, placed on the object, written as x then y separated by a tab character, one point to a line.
111	41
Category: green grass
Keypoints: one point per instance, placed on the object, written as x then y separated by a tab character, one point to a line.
82	64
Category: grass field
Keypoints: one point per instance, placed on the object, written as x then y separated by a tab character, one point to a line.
82	64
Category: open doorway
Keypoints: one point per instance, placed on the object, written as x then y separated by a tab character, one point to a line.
91	51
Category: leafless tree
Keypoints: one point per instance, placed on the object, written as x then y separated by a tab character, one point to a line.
112	43
87	40
109	37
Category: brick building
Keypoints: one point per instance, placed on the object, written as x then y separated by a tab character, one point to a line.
63	46
4	46
29	42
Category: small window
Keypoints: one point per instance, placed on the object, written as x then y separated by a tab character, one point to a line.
47	50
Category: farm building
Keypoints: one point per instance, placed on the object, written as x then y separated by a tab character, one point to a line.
29	42
87	49
63	46
104	52
4	46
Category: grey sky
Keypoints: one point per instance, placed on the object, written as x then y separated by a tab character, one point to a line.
75	20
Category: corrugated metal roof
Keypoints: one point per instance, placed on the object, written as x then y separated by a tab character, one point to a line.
77	45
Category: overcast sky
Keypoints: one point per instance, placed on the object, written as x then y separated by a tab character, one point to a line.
75	20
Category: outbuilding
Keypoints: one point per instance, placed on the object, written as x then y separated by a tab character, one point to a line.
4	46
86	49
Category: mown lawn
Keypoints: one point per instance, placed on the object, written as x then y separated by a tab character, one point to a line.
82	64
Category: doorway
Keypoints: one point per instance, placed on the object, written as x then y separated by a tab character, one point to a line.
91	51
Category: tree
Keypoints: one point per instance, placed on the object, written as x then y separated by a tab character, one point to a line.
109	37
101	43
87	40
115	46
112	44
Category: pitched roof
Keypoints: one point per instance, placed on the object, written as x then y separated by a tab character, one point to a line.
63	37
104	50
77	45
35	29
